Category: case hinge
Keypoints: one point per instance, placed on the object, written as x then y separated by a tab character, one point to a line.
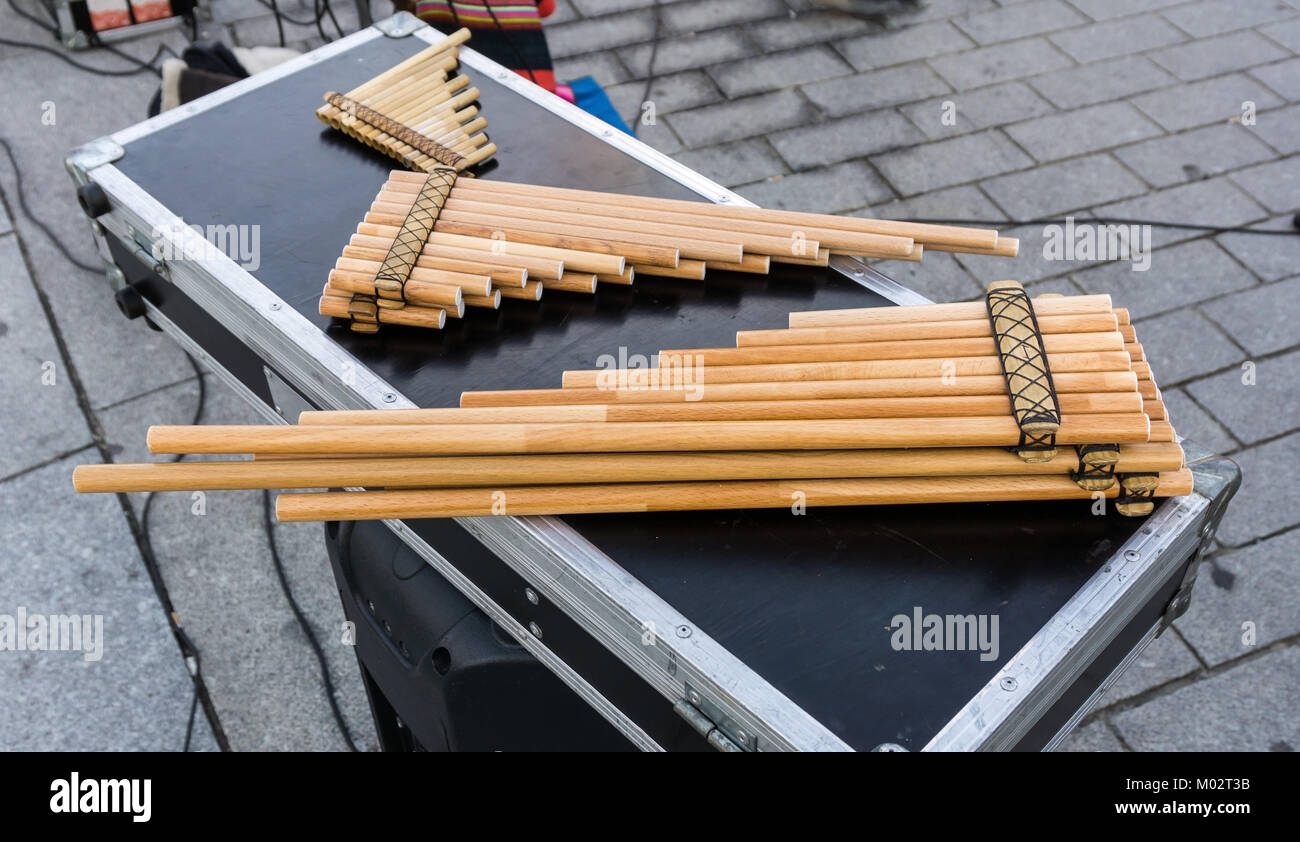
146	250
721	731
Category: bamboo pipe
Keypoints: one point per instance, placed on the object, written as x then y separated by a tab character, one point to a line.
691	270
755	264
689	496
417	292
836	240
446	46
943	329
337	307
582	469
823	258
426	294
407	103
620	437
1057	343
625	279
954	369
749	243
649	255
1043	306
1066	383
573	282
920	232
538	268
530	291
491	301
497	247
472	284
1106	403
1006	247
515	276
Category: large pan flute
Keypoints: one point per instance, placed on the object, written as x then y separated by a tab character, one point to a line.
1001	400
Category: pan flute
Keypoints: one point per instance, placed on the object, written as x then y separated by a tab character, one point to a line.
1006	399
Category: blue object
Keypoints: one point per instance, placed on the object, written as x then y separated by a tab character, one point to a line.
590	97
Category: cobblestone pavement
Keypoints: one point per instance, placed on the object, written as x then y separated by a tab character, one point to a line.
1163	110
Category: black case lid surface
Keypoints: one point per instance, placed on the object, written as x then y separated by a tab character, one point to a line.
804	600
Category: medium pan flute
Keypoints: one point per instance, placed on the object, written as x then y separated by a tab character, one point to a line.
1002	400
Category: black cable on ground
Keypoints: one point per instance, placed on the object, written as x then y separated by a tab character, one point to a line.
655	38
31	217
268	521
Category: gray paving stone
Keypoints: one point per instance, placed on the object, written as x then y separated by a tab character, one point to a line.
735	163
564	12
1275	185
1165	659
1286	33
1117	38
1086	130
1179	275
677	92
975	110
1104	9
1172	357
1060	286
1270	257
659	136
838	188
1057	188
942	9
1256	584
741	118
687	52
40	411
1237	710
594	8
1269	498
1101	82
1211	17
605	68
1202	103
1261	319
1019	21
944	163
602	33
1192	422
5	225
965	202
875	89
261	673
806	28
999	63
1095	736
924	40
1195	154
262	31
1283	77
1214	201
850	137
700	15
781	70
1215	56
1255	412
73	554
938	276
1032	265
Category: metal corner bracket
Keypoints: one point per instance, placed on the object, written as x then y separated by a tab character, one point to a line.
96	153
399	25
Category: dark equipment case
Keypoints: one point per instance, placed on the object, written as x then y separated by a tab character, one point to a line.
736	630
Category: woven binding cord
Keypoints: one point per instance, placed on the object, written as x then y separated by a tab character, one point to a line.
364	313
390	281
1137	494
1025	369
392	128
1096	470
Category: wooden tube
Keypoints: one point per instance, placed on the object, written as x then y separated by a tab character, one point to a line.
625	279
582	469
1066	383
691	270
650	255
530	291
417	292
1108	403
1006	247
498	275
837	240
689	496
822	259
619	437
754	264
943	329
337	307
923	233
573	282
472	284
1043	306
902	350
953	368
492	301
477	263
571	258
